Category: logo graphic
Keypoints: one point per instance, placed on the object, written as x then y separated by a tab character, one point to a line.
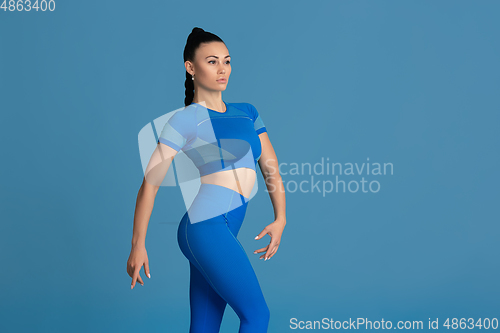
187	147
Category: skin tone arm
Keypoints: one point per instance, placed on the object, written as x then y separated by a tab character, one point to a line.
268	163
155	172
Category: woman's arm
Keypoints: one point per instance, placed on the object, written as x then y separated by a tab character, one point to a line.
143	209
268	163
155	172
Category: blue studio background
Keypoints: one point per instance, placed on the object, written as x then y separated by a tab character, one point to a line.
410	83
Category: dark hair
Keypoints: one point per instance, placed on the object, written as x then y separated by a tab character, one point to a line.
195	38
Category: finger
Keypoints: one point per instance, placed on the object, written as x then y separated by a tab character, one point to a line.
271	248
262	233
271	252
274	251
146	269
265	250
260	250
136	276
140	280
264	255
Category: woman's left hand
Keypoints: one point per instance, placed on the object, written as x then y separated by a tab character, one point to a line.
274	230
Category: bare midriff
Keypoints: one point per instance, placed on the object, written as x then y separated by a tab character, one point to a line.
240	180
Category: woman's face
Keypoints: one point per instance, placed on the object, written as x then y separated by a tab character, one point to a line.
212	63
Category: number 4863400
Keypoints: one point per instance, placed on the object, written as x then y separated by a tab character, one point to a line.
27	5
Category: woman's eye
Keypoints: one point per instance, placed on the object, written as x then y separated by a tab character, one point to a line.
213	61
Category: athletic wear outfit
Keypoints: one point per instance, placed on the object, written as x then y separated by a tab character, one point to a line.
220	271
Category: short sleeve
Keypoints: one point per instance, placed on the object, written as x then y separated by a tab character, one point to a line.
258	123
177	131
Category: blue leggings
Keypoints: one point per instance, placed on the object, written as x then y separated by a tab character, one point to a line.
220	271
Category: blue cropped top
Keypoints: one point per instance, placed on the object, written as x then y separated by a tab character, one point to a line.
216	141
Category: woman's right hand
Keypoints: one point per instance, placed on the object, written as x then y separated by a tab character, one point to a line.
138	258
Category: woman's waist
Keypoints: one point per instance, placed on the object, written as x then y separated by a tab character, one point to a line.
241	180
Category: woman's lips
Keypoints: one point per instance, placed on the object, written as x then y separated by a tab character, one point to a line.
222	80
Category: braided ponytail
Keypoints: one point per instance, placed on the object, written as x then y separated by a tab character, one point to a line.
189	84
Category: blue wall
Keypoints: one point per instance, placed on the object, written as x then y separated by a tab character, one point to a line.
410	83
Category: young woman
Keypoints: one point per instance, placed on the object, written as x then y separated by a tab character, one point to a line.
225	141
